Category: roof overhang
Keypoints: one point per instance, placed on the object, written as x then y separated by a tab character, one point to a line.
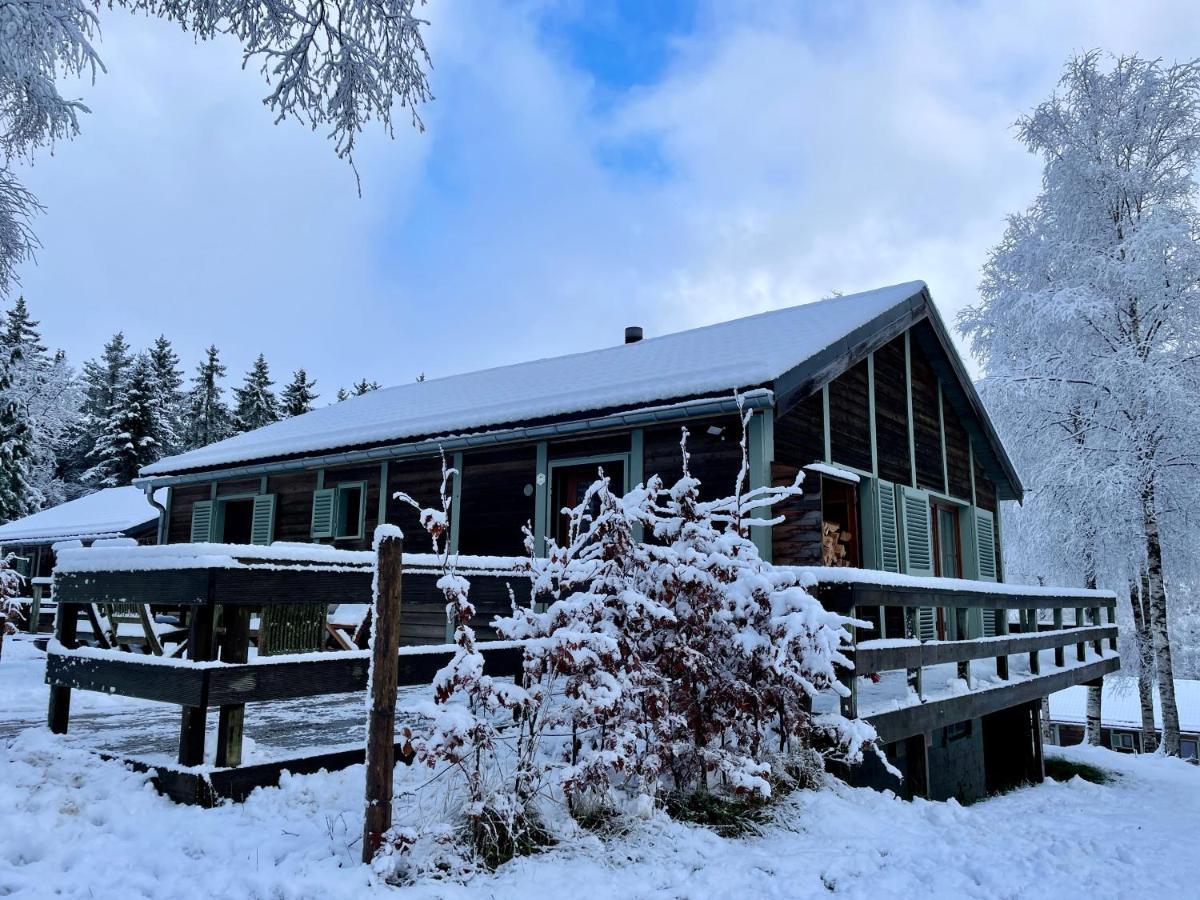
757	398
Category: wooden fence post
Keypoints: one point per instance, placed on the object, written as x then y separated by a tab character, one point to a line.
381	726
66	624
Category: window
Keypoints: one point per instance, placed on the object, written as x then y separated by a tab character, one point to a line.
1188	749
235	518
840	544
351	510
1122	741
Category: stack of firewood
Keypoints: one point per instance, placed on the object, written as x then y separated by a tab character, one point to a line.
834	544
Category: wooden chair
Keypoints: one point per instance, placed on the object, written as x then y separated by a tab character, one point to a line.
291	628
349	626
130	626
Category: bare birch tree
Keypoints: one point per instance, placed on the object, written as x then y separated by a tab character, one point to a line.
1089	323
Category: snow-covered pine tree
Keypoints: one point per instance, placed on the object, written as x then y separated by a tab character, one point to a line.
167	379
342	394
10	591
20	330
257	404
16	450
133	432
1089	326
103	382
336	71
49	391
209	419
363	386
298	395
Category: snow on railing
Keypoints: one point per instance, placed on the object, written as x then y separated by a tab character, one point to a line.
814	575
121	558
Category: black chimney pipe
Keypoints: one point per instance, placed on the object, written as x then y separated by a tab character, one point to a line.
633	334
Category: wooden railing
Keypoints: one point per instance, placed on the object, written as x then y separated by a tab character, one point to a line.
1040	625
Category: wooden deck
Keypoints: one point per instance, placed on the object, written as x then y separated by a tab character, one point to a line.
903	686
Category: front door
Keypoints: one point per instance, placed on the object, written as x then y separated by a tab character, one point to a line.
571	484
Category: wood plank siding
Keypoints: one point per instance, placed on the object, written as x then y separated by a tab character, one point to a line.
891	413
849	419
927	432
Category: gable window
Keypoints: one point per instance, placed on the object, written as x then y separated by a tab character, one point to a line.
351	507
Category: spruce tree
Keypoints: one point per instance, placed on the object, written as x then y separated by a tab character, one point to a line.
209	419
298	397
103	383
133	431
363	387
257	404
15	445
20	330
48	390
168	383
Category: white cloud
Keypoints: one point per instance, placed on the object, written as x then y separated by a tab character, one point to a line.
805	153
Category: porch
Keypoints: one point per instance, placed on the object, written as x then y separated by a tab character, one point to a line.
904	686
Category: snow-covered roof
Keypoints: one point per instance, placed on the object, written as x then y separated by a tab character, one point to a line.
741	353
1121	708
107	513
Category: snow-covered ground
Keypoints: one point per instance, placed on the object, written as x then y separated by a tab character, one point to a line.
72	825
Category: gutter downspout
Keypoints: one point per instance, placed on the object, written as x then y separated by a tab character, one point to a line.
162	513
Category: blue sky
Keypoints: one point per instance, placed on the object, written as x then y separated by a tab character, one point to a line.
585	166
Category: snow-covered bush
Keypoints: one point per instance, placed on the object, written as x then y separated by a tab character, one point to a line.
688	662
465	718
10	589
665	662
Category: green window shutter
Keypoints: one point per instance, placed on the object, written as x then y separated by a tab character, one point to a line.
323	508
202	521
889	537
262	527
927	623
985	542
916	542
916	531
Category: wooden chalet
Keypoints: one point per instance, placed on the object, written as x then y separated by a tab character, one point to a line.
865	393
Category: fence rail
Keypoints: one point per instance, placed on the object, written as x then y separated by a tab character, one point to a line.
854	593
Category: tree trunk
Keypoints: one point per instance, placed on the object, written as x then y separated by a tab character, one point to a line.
1095	692
3	630
1094	718
1157	607
1144	649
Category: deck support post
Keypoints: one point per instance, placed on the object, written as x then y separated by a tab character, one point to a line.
1060	653
1081	647
849	677
66	623
35	609
381	725
1098	644
1002	628
193	721
1035	660
235	648
1112	620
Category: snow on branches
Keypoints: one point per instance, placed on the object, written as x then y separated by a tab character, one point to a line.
469	708
664	660
689	662
10	590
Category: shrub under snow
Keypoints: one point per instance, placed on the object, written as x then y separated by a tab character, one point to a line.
664	657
